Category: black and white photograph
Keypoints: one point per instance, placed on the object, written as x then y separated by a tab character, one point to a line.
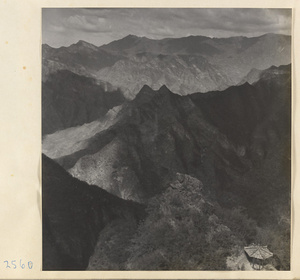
166	139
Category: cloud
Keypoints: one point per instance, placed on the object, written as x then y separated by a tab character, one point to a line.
74	24
162	31
57	28
88	24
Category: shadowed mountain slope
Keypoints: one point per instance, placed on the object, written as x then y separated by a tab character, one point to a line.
73	215
70	100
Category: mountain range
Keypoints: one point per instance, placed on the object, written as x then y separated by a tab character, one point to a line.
147	175
185	65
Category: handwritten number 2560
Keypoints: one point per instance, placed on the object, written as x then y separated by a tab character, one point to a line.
22	265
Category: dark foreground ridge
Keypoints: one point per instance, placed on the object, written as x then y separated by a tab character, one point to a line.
73	215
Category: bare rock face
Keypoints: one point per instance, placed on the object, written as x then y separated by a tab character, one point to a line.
70	140
182	74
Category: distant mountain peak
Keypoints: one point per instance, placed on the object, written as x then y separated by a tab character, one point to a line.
131	36
271	35
82	43
85	43
46	46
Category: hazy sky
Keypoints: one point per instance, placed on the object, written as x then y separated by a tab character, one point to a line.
65	26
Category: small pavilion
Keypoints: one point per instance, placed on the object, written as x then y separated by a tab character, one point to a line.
257	255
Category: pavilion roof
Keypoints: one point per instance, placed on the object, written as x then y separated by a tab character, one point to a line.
258	252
